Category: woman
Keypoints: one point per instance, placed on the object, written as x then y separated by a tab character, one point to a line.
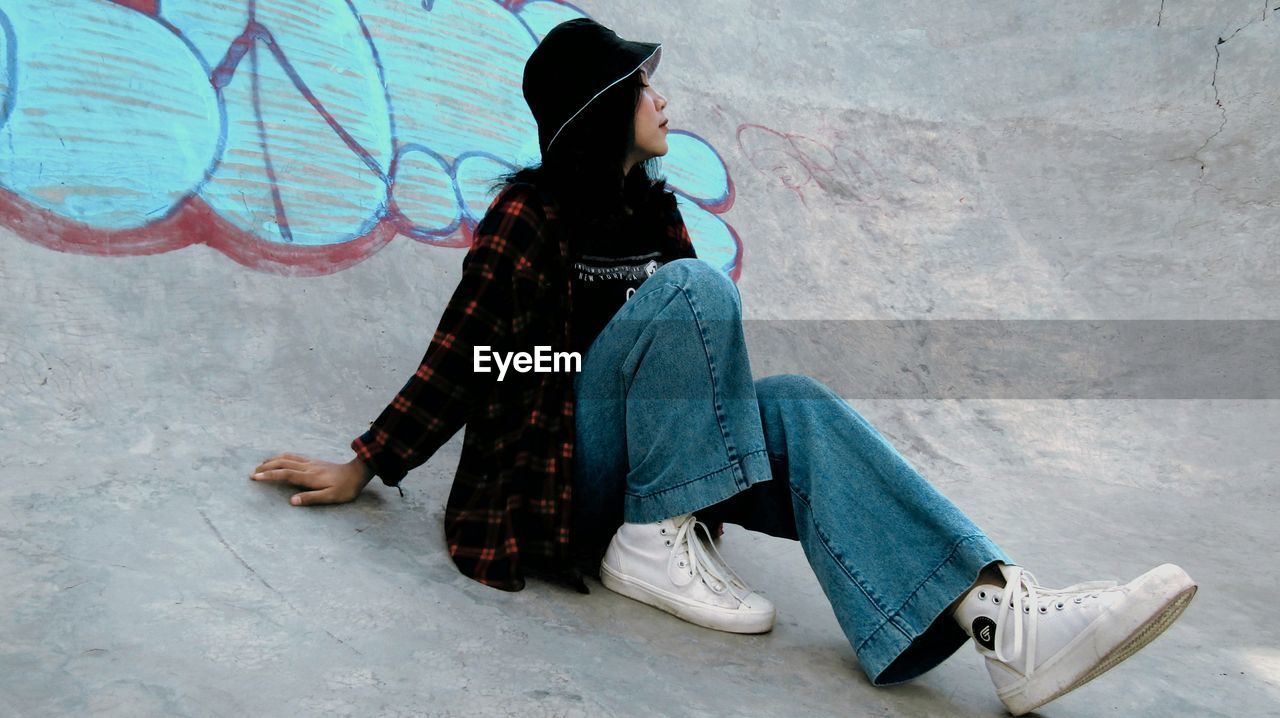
664	422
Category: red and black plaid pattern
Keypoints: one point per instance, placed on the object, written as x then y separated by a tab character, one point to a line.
512	492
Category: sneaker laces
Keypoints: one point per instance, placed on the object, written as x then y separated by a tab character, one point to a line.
1021	584
710	568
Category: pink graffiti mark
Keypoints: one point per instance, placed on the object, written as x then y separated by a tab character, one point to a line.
800	162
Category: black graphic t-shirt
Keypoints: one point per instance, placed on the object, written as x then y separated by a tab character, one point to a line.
608	267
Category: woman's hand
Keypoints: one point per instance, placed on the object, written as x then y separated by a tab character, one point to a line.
329	483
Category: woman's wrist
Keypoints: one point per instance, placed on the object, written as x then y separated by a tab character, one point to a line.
363	470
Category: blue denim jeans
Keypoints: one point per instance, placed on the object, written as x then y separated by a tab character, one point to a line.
670	421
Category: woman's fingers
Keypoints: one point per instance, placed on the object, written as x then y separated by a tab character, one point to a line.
285	457
281	464
281	461
292	476
305	479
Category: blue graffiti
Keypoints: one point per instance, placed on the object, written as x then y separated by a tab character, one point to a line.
303	123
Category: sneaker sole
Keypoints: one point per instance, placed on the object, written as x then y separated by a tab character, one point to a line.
1050	683
698	614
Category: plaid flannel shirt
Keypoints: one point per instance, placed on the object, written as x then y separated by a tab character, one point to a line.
509	506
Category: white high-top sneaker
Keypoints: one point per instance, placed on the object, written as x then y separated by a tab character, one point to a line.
670	567
1040	643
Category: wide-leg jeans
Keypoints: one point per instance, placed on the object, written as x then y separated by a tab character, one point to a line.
670	421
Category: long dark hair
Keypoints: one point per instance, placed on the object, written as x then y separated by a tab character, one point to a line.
583	170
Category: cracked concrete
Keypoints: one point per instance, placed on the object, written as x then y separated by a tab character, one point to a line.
890	160
1217	101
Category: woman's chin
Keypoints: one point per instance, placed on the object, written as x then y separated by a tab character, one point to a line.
657	151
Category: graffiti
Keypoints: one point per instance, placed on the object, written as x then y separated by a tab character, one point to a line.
842	171
800	162
294	136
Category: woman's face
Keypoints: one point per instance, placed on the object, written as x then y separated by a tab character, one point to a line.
650	125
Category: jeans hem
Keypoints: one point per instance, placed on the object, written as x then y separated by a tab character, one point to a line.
699	493
922	613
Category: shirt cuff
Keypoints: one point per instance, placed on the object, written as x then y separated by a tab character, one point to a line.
380	459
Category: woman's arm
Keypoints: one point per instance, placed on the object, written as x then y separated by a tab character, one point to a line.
438	398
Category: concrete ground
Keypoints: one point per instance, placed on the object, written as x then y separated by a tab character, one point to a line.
1088	161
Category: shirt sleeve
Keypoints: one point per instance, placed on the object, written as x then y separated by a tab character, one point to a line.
440	396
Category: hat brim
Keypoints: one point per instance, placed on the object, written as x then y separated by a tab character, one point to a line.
650	63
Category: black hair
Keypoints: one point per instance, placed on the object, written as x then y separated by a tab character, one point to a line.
583	169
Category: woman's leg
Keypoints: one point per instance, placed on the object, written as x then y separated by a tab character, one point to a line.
670	421
892	553
666	413
911	578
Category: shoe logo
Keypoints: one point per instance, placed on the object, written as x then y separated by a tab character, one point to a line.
984	632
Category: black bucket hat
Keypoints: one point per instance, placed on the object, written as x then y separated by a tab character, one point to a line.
574	64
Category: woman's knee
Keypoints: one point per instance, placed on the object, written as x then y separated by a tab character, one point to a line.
696	275
790	386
